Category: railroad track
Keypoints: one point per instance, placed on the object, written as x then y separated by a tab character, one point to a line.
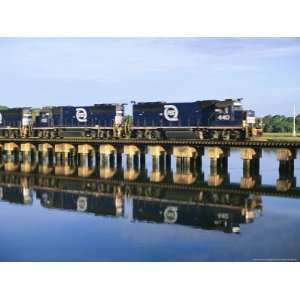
187	142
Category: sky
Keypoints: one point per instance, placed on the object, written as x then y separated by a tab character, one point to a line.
37	72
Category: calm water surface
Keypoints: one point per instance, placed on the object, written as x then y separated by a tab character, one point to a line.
71	218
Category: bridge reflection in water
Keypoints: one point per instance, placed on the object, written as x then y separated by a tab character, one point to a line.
113	184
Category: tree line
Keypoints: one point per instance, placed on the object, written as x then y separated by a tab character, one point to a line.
279	123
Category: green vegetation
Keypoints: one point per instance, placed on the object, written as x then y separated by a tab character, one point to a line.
128	119
35	112
281	136
280	124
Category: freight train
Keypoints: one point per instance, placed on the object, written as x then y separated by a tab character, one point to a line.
207	119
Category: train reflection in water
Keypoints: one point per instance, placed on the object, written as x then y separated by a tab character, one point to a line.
141	201
218	211
19	194
99	205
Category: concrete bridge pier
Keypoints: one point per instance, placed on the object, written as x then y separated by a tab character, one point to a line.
11	157
65	159
86	160
28	152
58	154
132	161
11	152
65	154
106	160
218	165
107	164
28	157
58	158
132	153
286	158
251	177
186	158
107	156
45	168
158	154
86	155
45	154
218	158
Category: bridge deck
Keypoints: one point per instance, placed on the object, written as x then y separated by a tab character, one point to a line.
187	142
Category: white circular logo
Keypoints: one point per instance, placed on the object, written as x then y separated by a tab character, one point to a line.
81	114
82	203
171	112
170	214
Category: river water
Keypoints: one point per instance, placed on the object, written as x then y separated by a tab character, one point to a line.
100	216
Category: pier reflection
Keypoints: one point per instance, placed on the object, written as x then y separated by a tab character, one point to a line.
106	186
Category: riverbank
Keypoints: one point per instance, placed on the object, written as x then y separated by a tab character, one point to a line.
281	136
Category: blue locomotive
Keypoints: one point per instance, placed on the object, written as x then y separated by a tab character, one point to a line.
97	121
207	119
15	122
105	205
